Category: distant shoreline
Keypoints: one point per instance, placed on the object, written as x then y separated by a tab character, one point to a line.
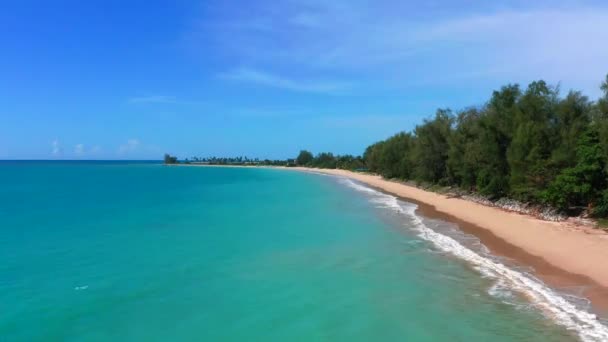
563	254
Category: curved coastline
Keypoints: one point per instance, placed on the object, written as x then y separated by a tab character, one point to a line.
507	274
562	255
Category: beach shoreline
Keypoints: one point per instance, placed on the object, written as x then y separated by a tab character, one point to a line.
566	256
562	255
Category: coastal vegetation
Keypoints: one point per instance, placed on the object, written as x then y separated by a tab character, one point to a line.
326	160
527	144
169	159
235	161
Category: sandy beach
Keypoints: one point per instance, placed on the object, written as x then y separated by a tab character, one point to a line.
562	254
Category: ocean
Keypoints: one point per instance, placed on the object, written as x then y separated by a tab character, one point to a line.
125	251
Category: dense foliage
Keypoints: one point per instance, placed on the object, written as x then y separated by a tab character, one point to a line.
169	159
239	161
327	160
304	158
529	144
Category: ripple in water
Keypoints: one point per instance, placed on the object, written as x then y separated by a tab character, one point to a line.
565	310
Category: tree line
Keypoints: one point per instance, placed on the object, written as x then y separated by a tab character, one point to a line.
528	144
327	160
237	161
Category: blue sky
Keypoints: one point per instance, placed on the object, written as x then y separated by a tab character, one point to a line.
135	79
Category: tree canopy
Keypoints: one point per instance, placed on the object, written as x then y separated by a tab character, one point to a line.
527	144
304	158
531	145
169	159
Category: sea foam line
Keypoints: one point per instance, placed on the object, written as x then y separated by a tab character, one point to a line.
544	298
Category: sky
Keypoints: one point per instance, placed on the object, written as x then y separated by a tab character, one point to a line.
137	79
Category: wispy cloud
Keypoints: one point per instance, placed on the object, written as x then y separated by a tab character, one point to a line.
263	78
401	43
79	149
132	145
56	149
136	149
558	44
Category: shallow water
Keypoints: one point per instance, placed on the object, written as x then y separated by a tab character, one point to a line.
119	251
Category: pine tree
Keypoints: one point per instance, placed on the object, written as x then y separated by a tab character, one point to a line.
582	184
533	142
431	147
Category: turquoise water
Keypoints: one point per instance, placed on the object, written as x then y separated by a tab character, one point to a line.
141	252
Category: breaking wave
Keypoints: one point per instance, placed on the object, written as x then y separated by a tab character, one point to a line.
549	302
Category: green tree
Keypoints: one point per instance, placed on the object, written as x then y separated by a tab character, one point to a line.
573	117
532	146
169	159
304	158
600	116
430	149
495	135
533	142
583	184
324	160
348	162
372	157
464	150
394	156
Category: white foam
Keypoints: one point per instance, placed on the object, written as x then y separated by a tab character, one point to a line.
551	303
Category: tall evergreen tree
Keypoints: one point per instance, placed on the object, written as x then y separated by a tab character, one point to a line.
600	116
531	145
395	156
430	152
573	116
464	152
496	133
304	158
533	141
372	157
582	184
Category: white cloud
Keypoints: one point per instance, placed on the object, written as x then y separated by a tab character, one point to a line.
132	145
271	80
398	43
56	149
557	44
79	149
